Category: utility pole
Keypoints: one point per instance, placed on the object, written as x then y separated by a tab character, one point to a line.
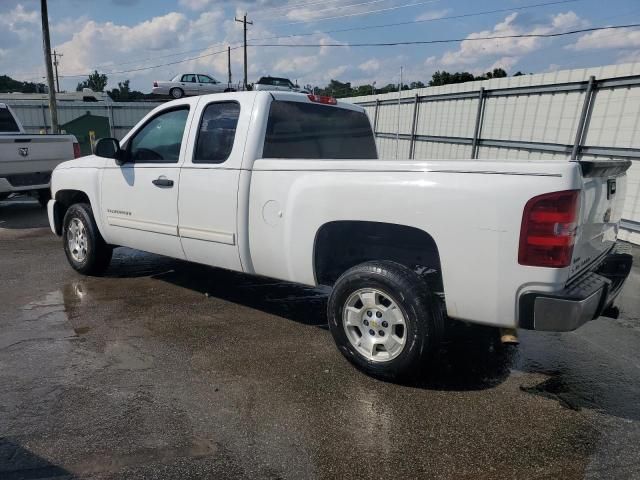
55	64
245	22
229	64
46	45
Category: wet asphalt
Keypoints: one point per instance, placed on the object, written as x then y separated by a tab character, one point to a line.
165	369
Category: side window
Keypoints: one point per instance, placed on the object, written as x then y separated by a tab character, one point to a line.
217	132
189	78
205	79
160	139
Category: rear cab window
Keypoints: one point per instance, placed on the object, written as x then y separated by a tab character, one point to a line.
314	131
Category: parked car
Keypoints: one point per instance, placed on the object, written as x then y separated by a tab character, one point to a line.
289	186
190	84
26	161
277	84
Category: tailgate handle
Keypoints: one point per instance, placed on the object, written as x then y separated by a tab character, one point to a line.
162	182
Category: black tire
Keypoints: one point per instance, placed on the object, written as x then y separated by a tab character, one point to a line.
227	90
176	93
98	253
422	311
44	196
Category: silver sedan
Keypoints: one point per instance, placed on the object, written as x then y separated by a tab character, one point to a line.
190	84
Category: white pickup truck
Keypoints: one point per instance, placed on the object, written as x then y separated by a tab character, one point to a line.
26	161
289	186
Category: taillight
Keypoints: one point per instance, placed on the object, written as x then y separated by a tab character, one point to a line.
322	99
548	231
155	84
76	150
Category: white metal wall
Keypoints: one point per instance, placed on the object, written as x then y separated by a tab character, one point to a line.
548	118
34	114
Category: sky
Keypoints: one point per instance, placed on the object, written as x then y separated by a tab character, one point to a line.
132	39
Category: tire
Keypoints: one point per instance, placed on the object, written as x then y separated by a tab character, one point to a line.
85	248
227	90
44	196
176	93
401	292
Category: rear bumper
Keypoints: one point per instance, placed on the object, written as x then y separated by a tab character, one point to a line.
25	182
584	299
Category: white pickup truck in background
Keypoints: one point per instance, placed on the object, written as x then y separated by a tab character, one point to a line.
26	161
289	186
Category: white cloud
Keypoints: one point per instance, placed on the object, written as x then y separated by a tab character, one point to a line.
601	39
475	52
336	72
370	66
20	22
433	14
630	57
506	63
195	4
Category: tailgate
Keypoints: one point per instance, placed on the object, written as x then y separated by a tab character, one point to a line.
601	210
33	153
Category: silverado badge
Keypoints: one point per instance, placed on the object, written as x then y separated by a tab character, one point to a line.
23	151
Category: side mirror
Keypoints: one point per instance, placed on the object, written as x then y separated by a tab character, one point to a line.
109	148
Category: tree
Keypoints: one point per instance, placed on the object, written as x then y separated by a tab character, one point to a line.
8	84
122	93
445	78
96	82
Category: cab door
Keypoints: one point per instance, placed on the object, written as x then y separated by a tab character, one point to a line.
208	85
189	84
209	179
140	197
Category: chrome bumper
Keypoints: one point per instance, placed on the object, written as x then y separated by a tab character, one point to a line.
584	299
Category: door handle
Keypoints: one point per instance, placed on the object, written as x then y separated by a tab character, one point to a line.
162	182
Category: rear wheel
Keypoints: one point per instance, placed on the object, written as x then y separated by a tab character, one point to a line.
176	93
86	250
384	319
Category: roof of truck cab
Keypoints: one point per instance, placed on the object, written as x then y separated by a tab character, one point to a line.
276	95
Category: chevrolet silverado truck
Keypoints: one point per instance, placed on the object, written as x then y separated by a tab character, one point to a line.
26	161
289	186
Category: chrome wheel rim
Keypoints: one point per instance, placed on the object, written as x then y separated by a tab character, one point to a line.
374	324
77	240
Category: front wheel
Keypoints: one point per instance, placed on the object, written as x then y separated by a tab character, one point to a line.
384	319
85	248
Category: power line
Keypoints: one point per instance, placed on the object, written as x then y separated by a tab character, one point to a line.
368	12
155	66
411	22
366	27
291	7
452	40
346	6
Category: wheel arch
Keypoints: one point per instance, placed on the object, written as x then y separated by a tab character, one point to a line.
340	245
64	199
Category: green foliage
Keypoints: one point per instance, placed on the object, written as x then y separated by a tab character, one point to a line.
96	82
124	93
8	85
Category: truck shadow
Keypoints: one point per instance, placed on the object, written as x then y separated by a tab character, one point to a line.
22	212
470	358
16	462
